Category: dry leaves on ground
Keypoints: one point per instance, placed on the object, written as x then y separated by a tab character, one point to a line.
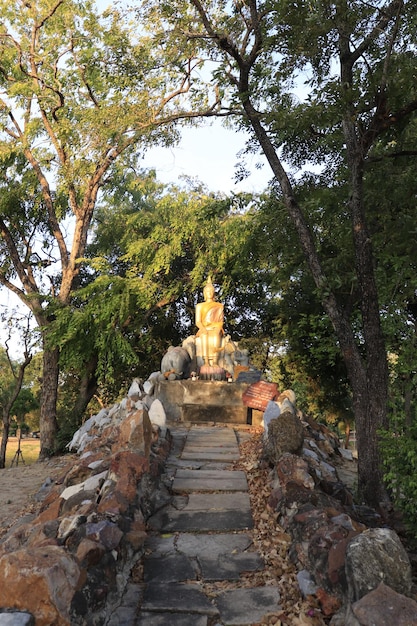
273	543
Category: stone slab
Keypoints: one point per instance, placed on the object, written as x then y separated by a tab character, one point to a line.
170	520
259	394
169	569
187	480
175	462
171	619
218	502
210	431
229	567
160	546
212	545
201	483
212	446
211	442
178	598
221	455
244	607
210	474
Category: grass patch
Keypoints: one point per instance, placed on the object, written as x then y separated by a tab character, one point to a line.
29	448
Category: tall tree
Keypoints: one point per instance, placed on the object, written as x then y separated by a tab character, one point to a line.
79	93
357	60
151	250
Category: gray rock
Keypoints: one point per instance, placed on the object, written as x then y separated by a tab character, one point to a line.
157	413
17	618
346	454
135	392
306	583
272	411
373	557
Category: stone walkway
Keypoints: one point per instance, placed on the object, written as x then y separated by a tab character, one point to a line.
202	537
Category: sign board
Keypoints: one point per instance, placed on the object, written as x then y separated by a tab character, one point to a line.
259	394
247	376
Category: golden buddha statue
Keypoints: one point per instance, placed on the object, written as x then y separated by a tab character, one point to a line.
209	320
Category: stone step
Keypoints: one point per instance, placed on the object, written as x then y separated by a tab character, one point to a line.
198	447
211	455
235	607
202	540
171	520
181	568
178	598
171	619
237	500
187	480
201	544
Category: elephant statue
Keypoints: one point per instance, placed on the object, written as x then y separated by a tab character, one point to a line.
175	364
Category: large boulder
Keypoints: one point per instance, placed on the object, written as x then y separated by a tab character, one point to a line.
42	581
373	557
285	434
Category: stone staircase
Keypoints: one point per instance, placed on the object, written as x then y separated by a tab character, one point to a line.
202	537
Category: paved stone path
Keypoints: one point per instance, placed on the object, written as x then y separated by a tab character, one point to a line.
201	537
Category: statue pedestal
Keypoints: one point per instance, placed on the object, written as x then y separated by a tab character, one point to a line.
203	401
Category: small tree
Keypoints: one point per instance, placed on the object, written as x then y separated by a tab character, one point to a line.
12	375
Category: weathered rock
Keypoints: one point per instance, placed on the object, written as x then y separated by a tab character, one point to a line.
41	581
135	391
126	470
292	469
157	413
384	606
376	556
104	532
89	552
271	412
69	524
17	618
285	434
134	433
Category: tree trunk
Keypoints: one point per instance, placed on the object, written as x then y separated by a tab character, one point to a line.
48	420
370	393
4	440
368	376
87	390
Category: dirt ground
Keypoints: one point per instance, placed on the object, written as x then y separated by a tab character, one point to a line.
19	485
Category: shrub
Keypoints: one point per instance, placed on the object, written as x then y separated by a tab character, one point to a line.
399	453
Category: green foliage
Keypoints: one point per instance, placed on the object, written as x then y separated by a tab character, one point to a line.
24	404
399	451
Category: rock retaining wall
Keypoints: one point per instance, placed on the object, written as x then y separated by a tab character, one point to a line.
349	560
71	563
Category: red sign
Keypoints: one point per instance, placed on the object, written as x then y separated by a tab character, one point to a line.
259	394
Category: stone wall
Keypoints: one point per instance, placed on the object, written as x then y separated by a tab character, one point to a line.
71	563
349	560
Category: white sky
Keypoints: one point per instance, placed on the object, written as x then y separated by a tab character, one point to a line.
210	153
